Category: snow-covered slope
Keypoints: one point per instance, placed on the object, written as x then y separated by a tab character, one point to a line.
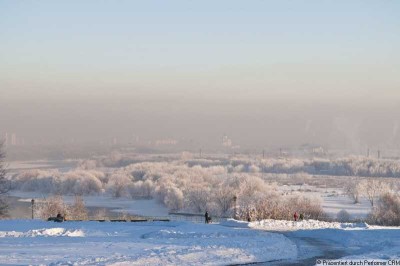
150	243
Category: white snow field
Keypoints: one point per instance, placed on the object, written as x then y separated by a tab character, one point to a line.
37	242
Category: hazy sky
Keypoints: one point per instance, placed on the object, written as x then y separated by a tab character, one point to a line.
263	72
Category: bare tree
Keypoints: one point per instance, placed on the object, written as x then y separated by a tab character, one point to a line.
224	199
78	210
4	184
373	188
50	207
353	190
198	199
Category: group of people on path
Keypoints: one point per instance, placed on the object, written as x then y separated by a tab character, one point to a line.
298	217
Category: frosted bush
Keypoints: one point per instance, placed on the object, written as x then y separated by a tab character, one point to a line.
50	207
173	199
53	182
87	164
140	189
81	182
118	184
386	211
343	216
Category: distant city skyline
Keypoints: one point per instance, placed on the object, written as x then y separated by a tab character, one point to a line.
265	73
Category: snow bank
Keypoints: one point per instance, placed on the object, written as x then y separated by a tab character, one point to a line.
46	232
283	225
234	223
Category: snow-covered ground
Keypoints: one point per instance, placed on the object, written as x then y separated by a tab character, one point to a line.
334	204
184	243
149	243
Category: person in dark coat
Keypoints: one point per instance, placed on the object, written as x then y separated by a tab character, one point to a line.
301	217
295	216
59	218
206	217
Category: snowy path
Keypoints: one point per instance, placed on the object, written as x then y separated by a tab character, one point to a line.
309	249
330	240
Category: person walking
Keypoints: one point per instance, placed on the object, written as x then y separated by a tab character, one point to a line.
295	216
206	217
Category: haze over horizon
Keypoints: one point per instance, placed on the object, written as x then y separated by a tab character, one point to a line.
264	73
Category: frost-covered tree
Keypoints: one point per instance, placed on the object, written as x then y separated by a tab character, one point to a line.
78	210
87	164
140	189
309	206
81	182
198	198
372	188
50	207
174	199
353	190
4	184
224	199
118	184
